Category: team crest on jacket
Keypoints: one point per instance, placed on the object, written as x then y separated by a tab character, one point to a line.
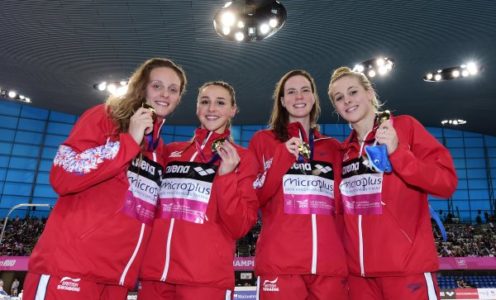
270	285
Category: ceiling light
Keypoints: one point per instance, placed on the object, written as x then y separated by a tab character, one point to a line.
116	88
13	95
249	20
464	70
374	66
454	122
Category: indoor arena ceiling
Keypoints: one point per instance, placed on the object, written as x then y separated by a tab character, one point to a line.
55	51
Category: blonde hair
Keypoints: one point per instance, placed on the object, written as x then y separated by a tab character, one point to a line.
279	117
362	79
122	108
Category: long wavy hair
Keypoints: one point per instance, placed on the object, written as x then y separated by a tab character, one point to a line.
279	118
122	108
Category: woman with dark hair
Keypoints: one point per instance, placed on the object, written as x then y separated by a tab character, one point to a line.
299	251
207	202
107	174
388	237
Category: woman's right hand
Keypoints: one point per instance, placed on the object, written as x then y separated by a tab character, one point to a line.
292	145
140	123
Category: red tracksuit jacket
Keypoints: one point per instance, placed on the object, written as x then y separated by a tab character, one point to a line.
100	224
201	215
301	233
388	227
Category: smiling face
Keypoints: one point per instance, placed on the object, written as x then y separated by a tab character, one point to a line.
163	90
298	98
215	108
352	101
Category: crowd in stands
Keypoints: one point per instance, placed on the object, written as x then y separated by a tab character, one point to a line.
20	236
477	239
464	239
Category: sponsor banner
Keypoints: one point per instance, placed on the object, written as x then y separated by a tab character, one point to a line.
469	293
487	294
448	294
244	263
245	293
467	263
14	263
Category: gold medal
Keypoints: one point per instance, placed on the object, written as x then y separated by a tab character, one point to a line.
383	116
304	150
217	144
149	107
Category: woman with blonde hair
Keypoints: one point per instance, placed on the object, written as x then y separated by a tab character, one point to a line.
388	233
107	174
299	254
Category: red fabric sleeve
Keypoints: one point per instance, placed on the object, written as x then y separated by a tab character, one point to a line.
421	161
88	156
236	198
274	161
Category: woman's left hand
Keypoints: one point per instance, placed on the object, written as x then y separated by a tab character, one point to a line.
229	158
386	134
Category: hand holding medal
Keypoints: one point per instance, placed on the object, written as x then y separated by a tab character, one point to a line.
304	150
228	155
387	138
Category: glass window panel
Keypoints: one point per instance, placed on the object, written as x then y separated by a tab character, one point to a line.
23	163
28	137
471	134
452	133
461	173
473	142
3	172
45	165
479	195
25	150
8	122
476	174
44	190
4	161
54	140
490	141
34	112
9	108
460	195
59	128
247	135
454	142
49	152
436	132
62	117
480	205
462	184
476	163
185	130
43	178
474	152
459	163
457	152
5	148
17	189
461	205
7	135
477	184
20	176
32	125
